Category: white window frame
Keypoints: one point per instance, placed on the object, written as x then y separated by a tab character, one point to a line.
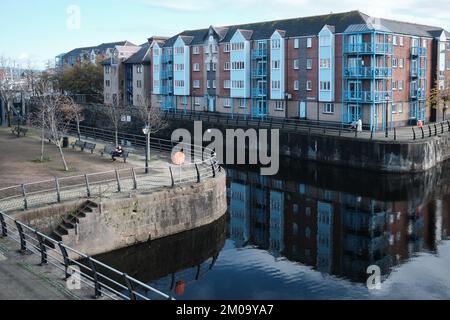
308	85
296	85
296	64
196	67
328	108
196	84
196	50
227	66
280	105
296	43
309	43
309	64
227	47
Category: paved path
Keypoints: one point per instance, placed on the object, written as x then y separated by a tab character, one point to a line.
22	279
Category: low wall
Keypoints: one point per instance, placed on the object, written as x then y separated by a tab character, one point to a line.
126	220
389	156
382	156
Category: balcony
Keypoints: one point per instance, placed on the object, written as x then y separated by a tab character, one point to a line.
259	54
419	51
259	73
368	48
166	74
368	72
166	90
418	73
167	58
368	96
418	94
259	92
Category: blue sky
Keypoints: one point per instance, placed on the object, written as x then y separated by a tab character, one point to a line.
36	30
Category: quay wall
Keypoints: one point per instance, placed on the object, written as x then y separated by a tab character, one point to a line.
129	219
373	155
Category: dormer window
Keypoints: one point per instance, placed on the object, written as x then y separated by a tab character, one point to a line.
276	44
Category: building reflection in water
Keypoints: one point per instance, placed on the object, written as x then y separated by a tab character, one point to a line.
334	225
173	263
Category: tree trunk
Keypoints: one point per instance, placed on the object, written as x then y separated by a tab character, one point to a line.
78	128
116	132
61	153
8	109
42	144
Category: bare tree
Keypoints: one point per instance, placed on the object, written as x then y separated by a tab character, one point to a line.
58	111
8	88
116	113
79	117
153	119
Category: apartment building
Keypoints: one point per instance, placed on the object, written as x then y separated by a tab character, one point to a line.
336	68
115	75
94	54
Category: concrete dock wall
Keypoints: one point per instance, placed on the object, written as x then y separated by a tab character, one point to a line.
126	220
381	156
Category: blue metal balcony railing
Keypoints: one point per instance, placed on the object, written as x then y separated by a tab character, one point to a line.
368	72
368	96
259	92
418	72
167	58
259	53
419	51
368	48
166	89
418	94
167	74
259	73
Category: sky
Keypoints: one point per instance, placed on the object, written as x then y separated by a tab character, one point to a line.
37	30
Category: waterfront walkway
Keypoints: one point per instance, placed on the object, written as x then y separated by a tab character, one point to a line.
402	134
22	279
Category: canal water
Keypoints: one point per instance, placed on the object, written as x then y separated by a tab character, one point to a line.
311	232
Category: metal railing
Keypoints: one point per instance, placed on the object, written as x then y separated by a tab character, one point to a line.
409	133
103	279
203	165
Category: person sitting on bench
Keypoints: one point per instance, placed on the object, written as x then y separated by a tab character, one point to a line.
118	153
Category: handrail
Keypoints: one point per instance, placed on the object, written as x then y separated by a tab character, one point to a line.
25	196
410	133
111	283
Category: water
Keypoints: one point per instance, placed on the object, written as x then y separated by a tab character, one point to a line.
309	233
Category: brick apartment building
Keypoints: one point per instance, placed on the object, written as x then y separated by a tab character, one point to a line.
94	54
336	68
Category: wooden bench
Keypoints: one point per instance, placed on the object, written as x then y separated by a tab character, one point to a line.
111	149
19	131
89	146
78	144
84	146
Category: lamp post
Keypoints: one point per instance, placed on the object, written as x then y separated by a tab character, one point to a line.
387	98
146	131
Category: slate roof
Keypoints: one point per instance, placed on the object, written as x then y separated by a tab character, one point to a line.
310	26
100	48
141	57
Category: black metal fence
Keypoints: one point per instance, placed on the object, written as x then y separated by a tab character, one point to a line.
76	266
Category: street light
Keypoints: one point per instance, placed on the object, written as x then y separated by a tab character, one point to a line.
146	130
387	98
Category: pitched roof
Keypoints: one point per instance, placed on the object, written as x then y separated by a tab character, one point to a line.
310	26
100	48
141	57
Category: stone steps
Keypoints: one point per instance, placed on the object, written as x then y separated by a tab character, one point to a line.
67	227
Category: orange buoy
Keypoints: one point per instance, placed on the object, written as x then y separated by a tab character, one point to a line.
179	158
180	288
420	124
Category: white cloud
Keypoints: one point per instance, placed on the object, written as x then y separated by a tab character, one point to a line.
433	12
